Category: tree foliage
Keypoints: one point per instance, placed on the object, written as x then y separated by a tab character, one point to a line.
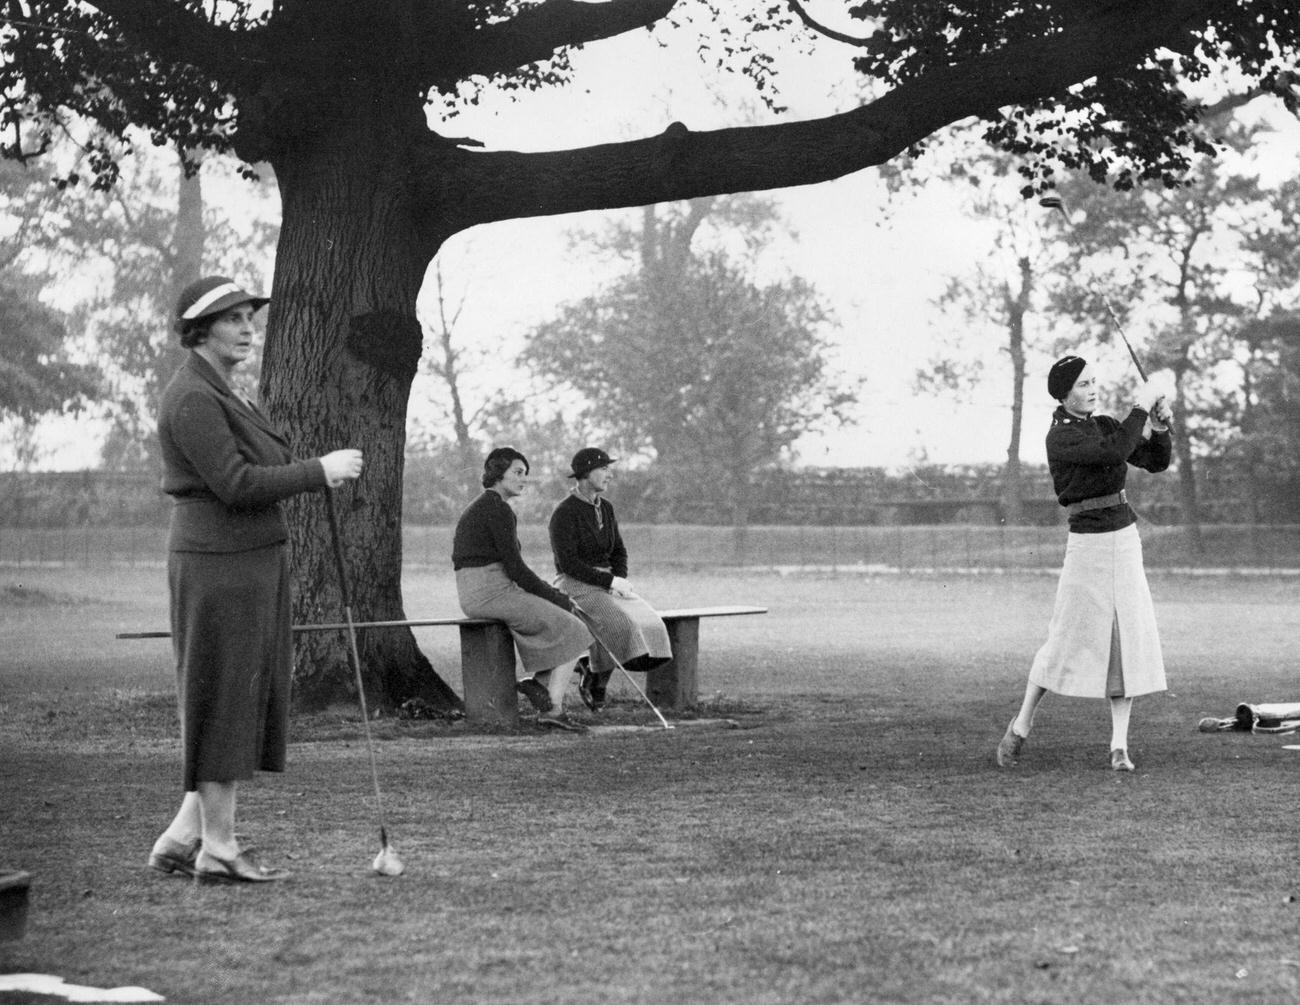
37	376
689	358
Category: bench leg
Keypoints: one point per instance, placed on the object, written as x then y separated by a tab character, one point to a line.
487	669
672	684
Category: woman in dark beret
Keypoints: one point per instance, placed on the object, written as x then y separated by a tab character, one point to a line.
1102	641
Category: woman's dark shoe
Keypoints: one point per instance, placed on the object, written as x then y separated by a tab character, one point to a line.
172	857
560	720
240	869
591	686
535	692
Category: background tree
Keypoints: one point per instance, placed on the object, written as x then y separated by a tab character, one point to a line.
687	357
1261	446
332	94
132	248
38	377
143	243
1001	293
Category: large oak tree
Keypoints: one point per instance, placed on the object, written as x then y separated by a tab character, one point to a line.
332	95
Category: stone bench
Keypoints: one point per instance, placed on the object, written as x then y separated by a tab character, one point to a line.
487	659
487	663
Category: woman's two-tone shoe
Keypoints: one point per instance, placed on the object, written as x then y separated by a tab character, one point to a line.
240	869
174	857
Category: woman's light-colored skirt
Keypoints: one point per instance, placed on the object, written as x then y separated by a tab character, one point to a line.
629	626
544	634
1102	641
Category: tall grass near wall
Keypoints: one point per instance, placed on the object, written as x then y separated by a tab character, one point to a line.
660	547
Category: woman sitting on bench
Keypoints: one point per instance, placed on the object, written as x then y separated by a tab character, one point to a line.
493	581
591	562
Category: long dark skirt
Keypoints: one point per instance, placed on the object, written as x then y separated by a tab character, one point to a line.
232	637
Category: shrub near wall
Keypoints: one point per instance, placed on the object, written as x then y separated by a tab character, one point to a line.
846	497
81	499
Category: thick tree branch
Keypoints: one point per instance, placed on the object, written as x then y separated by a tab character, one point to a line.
538	32
680	164
1284	84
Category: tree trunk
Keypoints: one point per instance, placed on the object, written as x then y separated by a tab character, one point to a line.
1013	507
339	366
187	266
1188	503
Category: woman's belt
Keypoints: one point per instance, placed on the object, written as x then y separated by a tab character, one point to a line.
1098	502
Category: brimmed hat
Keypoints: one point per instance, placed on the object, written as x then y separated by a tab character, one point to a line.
212	295
587	460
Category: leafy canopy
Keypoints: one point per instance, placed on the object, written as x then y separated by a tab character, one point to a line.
239	76
1124	129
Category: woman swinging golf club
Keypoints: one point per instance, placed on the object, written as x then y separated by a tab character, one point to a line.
493	581
1102	641
226	468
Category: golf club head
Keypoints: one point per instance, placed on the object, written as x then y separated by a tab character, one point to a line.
1055	202
387	863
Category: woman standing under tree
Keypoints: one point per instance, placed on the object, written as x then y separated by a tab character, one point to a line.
1102	641
227	468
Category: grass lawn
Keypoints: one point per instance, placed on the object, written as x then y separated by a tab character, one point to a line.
848	841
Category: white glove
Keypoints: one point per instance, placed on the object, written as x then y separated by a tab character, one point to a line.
1146	397
341	466
620	587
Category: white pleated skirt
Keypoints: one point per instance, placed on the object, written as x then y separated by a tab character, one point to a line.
1102	641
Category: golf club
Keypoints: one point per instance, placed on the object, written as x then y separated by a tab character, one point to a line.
614	659
386	863
1057	203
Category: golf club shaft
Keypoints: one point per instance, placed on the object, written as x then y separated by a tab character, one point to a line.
355	657
1120	328
614	659
1056	203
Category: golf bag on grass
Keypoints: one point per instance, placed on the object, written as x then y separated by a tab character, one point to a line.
1264	718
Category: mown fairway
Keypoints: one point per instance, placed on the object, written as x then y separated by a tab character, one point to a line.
850	841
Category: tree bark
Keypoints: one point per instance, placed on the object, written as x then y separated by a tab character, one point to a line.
342	349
